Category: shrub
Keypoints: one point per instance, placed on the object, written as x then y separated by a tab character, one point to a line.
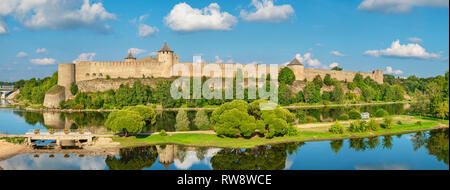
387	124
327	80
292	131
419	123
373	125
357	126
108	77
399	122
202	121
310	119
277	121
300	114
354	114
163	133
343	117
337	128
381	113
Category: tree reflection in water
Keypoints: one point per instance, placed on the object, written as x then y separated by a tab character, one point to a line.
133	158
270	157
336	145
436	143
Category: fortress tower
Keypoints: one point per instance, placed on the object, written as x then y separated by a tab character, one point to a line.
298	69
130	58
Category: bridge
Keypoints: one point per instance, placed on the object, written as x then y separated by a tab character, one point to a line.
5	91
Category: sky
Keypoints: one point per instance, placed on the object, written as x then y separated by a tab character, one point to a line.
402	38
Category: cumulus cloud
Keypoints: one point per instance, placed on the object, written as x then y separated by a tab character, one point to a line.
399	6
306	59
41	50
43	61
85	57
415	40
337	53
184	18
146	30
389	70
334	64
56	14
21	54
403	51
266	11
136	51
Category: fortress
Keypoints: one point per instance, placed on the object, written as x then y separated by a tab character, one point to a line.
160	66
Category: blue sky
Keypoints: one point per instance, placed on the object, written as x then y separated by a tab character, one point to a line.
404	38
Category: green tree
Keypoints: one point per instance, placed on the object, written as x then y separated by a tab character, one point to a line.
318	82
202	121
336	68
286	76
183	122
312	94
74	88
337	95
126	121
146	112
327	80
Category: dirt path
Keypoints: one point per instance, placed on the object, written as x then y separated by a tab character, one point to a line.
328	124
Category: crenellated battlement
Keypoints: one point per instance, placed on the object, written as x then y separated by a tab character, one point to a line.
160	66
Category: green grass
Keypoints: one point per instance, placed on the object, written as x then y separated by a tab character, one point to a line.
215	141
14	140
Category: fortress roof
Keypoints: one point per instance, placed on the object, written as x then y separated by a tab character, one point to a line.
130	56
165	48
295	61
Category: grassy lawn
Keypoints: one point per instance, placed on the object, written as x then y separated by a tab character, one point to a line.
215	141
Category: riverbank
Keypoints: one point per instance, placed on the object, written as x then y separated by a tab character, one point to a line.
211	140
306	106
101	147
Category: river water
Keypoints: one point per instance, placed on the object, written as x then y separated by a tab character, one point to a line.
417	151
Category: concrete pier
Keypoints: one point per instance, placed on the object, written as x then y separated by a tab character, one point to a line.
62	139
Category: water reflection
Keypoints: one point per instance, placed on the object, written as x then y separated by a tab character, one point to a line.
94	121
424	150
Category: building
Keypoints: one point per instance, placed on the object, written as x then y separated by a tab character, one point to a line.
161	65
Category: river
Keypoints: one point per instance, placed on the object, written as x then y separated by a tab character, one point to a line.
416	151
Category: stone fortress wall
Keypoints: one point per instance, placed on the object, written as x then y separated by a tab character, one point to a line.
161	65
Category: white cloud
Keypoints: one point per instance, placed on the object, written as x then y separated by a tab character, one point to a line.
136	51
146	30
415	40
306	59
403	51
334	64
266	11
43	61
3	26
399	6
389	70
21	54
184	18
336	53
41	50
56	14
85	57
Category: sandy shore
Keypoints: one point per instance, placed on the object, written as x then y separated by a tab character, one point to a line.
8	150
